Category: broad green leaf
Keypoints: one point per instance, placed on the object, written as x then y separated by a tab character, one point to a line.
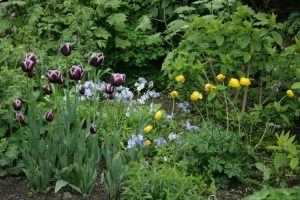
117	20
184	9
102	33
279	160
296	86
244	41
277	106
219	40
294	162
277	37
121	43
60	184
246	57
211	96
144	23
285	118
154	39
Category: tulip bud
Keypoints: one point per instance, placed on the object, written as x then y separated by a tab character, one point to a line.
60	79
49	116
17	104
27	65
65	49
76	72
109	89
20	118
82	90
31	73
118	79
93	128
47	89
31	56
97	59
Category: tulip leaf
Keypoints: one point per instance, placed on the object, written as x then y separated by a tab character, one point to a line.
60	184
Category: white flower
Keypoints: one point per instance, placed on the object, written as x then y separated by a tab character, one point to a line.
172	136
190	127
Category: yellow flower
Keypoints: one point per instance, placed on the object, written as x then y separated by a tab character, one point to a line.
209	87
234	83
148	128
195	96
245	81
158	115
290	93
174	94
220	77
180	79
148	142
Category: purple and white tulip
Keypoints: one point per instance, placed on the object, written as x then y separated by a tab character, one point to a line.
96	59
76	72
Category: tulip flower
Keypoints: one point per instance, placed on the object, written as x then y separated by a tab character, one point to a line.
31	56
93	129
17	104
76	72
82	90
290	93
118	79
97	59
49	116
20	118
66	49
109	89
47	89
27	65
54	76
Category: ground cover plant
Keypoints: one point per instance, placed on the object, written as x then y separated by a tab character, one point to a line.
219	121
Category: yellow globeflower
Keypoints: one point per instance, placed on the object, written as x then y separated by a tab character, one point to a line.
148	142
174	94
209	87
290	93
148	128
195	96
220	77
180	79
234	83
158	115
245	81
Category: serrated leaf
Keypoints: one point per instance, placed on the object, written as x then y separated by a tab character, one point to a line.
122	43
184	9
279	160
117	20
154	39
144	23
102	33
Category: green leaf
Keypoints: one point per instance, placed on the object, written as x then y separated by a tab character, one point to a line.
211	96
246	57
277	37
154	39
60	184
296	86
102	33
285	118
266	171
244	41
219	40
144	23
277	106
294	162
279	160
184	9
121	43
117	20
221	87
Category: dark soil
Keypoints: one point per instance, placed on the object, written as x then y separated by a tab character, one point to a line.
15	188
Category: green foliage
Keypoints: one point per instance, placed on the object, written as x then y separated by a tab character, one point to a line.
276	194
218	152
161	181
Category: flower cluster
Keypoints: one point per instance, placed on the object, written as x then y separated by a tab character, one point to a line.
136	140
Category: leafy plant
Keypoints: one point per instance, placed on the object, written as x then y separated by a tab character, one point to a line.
275	194
161	181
